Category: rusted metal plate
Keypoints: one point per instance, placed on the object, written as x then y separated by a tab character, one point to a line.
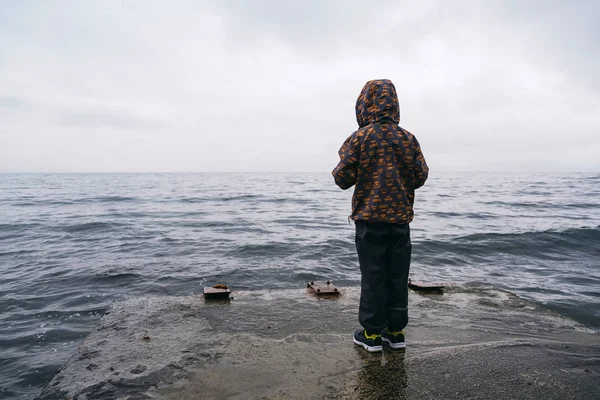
420	286
219	292
323	288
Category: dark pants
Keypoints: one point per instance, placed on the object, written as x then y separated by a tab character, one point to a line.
384	252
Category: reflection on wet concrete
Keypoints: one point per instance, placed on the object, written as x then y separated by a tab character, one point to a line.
381	376
467	343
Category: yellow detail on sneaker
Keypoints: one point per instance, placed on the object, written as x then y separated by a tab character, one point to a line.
395	333
373	336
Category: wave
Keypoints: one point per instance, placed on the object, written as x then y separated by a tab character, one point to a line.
573	234
534	204
261	250
117	277
91	226
112	199
16	252
219	199
250	198
542	204
84	200
17	227
549	244
468	215
239	197
593	178
194	199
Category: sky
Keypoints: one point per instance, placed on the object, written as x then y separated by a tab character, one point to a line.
270	85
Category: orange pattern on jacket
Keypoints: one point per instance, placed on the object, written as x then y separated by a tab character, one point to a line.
382	159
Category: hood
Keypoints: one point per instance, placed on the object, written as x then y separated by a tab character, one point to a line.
377	101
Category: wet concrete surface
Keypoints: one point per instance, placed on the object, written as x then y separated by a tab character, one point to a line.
468	343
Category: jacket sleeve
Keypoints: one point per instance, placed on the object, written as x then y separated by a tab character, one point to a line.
345	172
421	168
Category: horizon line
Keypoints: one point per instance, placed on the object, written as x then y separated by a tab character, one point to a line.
281	172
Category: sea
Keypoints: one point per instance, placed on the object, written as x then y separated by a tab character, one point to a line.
71	244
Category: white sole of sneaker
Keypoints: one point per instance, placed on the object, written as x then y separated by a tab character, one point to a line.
370	349
395	346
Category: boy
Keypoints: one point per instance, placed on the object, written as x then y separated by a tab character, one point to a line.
385	163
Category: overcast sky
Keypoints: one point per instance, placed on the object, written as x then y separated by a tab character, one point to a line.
270	85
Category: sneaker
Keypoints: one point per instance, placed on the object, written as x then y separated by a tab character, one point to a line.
394	339
371	343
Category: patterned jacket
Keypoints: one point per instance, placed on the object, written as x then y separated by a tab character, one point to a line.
382	159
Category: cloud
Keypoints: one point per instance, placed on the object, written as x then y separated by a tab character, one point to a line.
13	102
113	120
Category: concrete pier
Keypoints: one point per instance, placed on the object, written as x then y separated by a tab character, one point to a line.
467	343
